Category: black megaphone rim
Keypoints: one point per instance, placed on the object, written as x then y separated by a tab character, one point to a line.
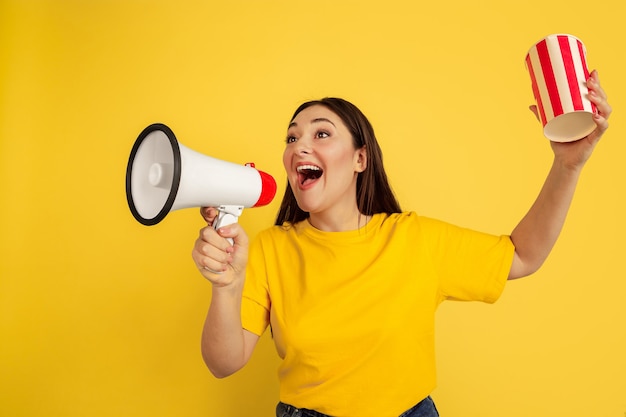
176	174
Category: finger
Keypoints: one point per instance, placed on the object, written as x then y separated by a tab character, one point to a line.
206	268
598	96
602	105
601	122
210	244
209	255
210	238
235	233
208	265
593	84
217	238
209	258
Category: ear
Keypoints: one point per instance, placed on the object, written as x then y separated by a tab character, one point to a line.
361	159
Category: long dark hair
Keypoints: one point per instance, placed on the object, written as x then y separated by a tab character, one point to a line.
374	194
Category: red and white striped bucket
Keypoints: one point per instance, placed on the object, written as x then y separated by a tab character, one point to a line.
558	70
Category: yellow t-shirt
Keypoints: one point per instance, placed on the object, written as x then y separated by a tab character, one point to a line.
352	313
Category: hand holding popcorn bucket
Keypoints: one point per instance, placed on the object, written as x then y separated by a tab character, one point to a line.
558	71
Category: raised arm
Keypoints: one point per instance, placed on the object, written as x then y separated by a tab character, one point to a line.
226	346
535	235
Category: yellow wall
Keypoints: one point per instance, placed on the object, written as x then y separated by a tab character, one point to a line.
101	316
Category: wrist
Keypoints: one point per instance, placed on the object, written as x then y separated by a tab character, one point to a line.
568	167
228	284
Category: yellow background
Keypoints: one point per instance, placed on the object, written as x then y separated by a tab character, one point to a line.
101	316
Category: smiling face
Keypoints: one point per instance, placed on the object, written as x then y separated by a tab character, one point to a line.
322	163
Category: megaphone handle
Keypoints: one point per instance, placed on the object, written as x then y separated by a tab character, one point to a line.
227	215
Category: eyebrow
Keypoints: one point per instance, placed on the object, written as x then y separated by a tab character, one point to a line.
317	120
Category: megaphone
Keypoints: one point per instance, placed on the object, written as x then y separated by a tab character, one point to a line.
163	175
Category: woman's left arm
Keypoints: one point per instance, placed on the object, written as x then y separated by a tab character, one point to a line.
538	231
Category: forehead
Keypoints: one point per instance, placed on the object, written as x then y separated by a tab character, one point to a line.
316	113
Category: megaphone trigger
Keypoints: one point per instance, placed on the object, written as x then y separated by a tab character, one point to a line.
227	215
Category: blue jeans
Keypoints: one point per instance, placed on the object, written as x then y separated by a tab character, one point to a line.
425	408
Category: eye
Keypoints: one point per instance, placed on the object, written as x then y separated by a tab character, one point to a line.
290	139
322	134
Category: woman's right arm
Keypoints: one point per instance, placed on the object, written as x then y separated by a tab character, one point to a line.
226	345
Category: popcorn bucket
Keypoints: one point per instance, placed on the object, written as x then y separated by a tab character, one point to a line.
558	71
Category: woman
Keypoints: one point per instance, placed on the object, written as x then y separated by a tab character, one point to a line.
349	283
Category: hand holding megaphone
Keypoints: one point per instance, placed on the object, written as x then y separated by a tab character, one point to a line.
214	256
163	175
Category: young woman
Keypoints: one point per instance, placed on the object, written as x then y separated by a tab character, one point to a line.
349	283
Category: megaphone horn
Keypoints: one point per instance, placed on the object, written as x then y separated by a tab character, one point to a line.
163	175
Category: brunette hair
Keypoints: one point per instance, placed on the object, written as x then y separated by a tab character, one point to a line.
373	191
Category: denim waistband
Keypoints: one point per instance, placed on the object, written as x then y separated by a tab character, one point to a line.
425	408
286	410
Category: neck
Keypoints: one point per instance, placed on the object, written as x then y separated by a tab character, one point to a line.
339	222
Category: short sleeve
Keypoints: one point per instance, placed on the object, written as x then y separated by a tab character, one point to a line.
470	265
256	302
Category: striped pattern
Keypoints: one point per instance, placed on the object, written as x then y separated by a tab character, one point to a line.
558	71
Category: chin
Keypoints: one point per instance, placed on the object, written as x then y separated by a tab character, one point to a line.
309	208
306	208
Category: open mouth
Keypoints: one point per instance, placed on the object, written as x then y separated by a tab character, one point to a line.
308	174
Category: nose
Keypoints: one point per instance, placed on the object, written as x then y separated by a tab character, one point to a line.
303	147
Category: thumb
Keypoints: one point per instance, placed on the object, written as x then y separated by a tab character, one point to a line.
208	214
234	233
535	111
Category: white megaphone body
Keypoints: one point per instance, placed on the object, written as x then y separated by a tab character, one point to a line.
163	175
